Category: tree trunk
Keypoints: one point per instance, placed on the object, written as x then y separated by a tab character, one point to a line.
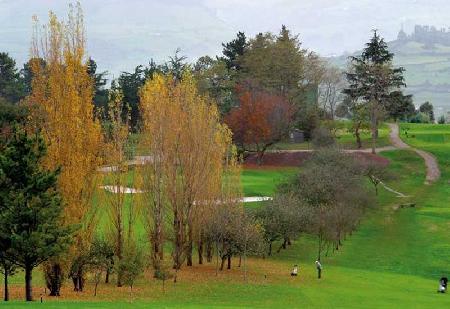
28	288
200	251
358	135
259	157
178	241
270	248
224	258
319	248
374	129
6	291
107	276
54	278
81	281
157	241
283	245
189	247
245	266
78	280
75	284
217	258
209	252
97	280
240	260
229	261
119	253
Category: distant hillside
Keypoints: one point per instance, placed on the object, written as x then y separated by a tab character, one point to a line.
425	54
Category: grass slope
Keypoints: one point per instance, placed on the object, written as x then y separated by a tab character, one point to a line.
393	260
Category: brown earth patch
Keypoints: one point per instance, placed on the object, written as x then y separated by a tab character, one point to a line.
190	280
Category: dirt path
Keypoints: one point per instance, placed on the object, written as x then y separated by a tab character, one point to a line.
364	150
433	172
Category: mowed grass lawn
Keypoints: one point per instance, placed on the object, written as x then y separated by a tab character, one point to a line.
393	260
345	139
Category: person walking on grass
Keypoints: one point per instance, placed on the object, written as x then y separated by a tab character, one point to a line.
319	269
294	271
443	285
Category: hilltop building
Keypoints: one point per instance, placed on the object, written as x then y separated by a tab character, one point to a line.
428	35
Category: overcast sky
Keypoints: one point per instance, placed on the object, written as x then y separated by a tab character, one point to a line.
124	33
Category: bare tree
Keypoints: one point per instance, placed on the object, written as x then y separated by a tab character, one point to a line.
330	89
331	191
282	219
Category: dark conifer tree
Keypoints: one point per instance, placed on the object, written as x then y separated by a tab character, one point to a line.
30	206
12	87
232	50
371	78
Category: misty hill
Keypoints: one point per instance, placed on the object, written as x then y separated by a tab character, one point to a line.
425	54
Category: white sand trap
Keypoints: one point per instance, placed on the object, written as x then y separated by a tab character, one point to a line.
107	169
252	199
126	190
120	189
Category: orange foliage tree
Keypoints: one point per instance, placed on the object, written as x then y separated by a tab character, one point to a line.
188	146
63	90
260	120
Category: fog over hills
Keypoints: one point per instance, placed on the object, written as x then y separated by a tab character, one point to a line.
123	34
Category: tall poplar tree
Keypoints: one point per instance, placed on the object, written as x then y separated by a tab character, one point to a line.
117	134
189	145
63	90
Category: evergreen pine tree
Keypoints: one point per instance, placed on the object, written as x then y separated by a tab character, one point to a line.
232	50
371	78
30	206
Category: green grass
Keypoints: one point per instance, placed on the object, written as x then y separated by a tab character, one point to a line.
263	182
345	138
393	260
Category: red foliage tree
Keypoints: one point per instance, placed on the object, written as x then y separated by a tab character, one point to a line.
260	120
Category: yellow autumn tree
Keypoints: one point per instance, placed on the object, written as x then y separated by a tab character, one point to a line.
117	131
63	91
188	147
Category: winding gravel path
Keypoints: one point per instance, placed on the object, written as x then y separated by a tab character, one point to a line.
433	172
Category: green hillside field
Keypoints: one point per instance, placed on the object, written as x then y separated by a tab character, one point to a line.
427	72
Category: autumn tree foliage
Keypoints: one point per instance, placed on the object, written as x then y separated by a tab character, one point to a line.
188	147
260	120
63	92
121	218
